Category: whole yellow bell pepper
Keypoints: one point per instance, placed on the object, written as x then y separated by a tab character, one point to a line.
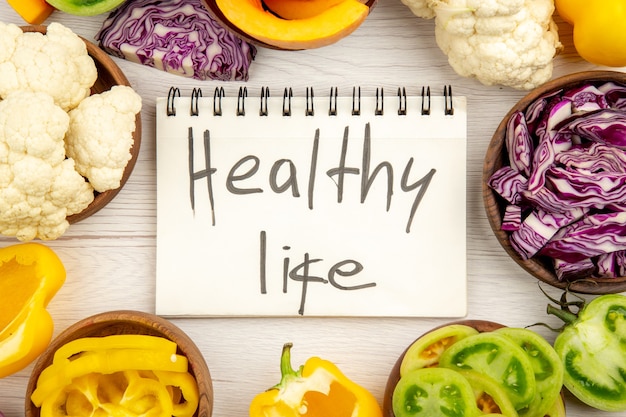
599	35
317	389
30	275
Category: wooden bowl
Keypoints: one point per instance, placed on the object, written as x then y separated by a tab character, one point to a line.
129	322
394	375
109	74
217	14
496	157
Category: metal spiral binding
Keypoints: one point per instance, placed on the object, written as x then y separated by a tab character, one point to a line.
332	102
196	93
380	105
218	94
402	101
356	101
310	110
171	95
241	101
217	101
447	94
265	95
425	101
287	95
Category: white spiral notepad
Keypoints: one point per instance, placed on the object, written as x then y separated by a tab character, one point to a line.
283	204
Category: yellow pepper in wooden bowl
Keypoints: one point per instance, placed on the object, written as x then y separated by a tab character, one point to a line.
30	275
317	389
599	35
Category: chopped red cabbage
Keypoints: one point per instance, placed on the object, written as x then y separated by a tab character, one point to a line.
572	197
571	271
538	228
176	36
615	94
519	143
508	183
512	218
603	125
591	236
586	98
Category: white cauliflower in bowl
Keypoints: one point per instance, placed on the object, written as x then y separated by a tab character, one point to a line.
39	186
499	42
62	145
100	135
56	63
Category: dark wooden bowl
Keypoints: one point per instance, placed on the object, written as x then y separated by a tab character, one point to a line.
217	14
496	157
129	322
109	74
394	375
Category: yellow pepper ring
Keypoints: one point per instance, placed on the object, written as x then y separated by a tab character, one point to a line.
118	341
189	388
106	362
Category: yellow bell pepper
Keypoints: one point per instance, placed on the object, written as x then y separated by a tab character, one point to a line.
599	35
317	389
122	375
30	275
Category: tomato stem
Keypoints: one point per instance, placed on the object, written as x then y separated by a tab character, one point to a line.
565	315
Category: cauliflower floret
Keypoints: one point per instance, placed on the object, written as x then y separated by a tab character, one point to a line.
100	135
39	186
504	42
56	63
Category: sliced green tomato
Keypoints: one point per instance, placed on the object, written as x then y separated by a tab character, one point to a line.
433	392
85	7
491	398
547	367
497	356
592	351
426	350
557	409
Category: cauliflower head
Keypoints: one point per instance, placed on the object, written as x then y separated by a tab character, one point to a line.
498	42
39	186
56	63
100	135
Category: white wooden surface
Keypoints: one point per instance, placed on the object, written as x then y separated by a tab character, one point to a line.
110	257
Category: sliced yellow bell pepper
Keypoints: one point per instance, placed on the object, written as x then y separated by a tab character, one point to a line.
30	275
599	35
119	375
317	389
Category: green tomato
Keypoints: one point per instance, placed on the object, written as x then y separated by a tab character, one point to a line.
425	351
490	396
547	367
592	348
498	357
433	392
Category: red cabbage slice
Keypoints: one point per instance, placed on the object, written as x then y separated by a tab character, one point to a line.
586	98
595	157
571	271
176	36
550	142
605	126
538	228
512	218
508	183
519	143
584	189
606	265
591	236
615	94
